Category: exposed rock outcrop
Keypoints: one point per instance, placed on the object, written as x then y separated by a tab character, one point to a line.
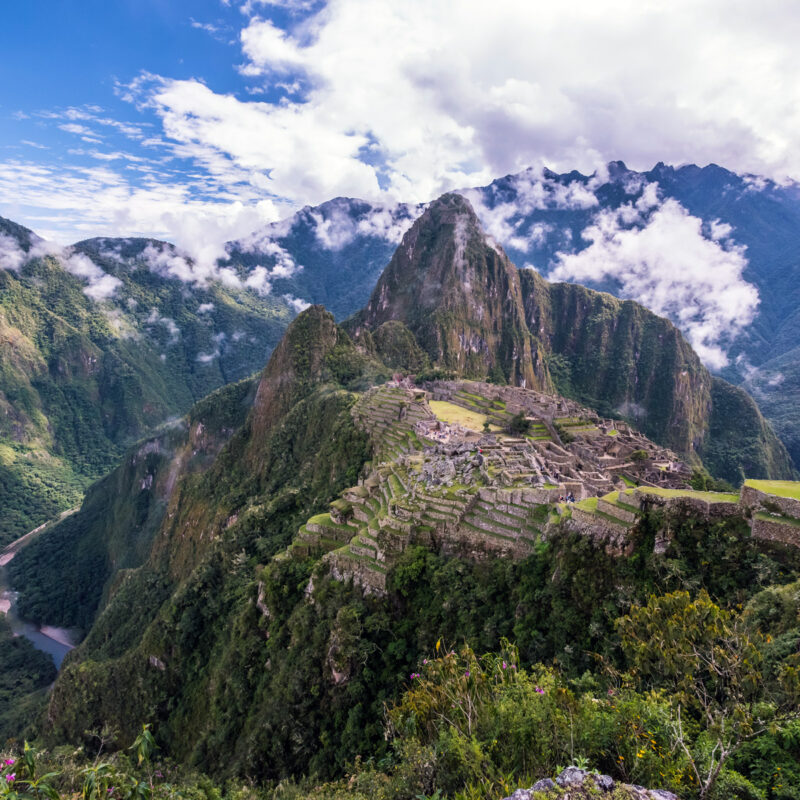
575	784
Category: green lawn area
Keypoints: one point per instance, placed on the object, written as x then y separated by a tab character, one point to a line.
589	504
779	488
710	497
451	413
325	519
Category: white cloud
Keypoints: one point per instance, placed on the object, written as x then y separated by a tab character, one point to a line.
12	257
296	303
258	280
155	318
166	260
659	257
269	49
337	225
205	308
99	284
529	191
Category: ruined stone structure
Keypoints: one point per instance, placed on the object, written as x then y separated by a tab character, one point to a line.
484	492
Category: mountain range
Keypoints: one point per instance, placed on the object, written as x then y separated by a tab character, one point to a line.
258	578
140	330
714	251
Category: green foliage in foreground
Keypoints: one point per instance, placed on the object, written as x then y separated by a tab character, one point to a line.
702	705
252	694
25	672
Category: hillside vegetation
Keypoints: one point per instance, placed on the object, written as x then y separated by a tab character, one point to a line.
80	380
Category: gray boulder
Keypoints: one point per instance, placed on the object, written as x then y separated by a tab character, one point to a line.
571	777
604	782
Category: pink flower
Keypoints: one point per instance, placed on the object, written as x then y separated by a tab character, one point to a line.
9	762
11	777
610	692
505	666
466	674
539	691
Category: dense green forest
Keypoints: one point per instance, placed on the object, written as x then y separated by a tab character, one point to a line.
25	672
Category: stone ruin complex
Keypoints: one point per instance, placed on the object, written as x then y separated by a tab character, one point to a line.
471	492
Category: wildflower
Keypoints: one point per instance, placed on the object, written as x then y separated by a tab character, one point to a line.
505	666
11	777
539	690
466	674
513	666
424	661
610	692
9	762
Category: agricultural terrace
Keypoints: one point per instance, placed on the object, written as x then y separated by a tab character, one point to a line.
708	497
789	489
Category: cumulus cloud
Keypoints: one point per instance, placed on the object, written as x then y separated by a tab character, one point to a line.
205	308
379	109
167	261
296	303
655	253
258	280
12	256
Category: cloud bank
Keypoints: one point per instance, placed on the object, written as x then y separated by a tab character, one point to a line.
656	253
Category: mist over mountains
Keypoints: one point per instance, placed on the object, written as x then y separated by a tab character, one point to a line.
715	252
141	329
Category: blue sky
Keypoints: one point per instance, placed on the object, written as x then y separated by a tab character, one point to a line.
200	121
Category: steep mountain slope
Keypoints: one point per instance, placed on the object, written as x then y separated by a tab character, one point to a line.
99	346
709	238
252	651
459	296
473	313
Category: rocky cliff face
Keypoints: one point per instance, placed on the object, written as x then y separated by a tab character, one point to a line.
622	360
458	293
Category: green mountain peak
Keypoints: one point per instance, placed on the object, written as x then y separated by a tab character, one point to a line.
458	293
